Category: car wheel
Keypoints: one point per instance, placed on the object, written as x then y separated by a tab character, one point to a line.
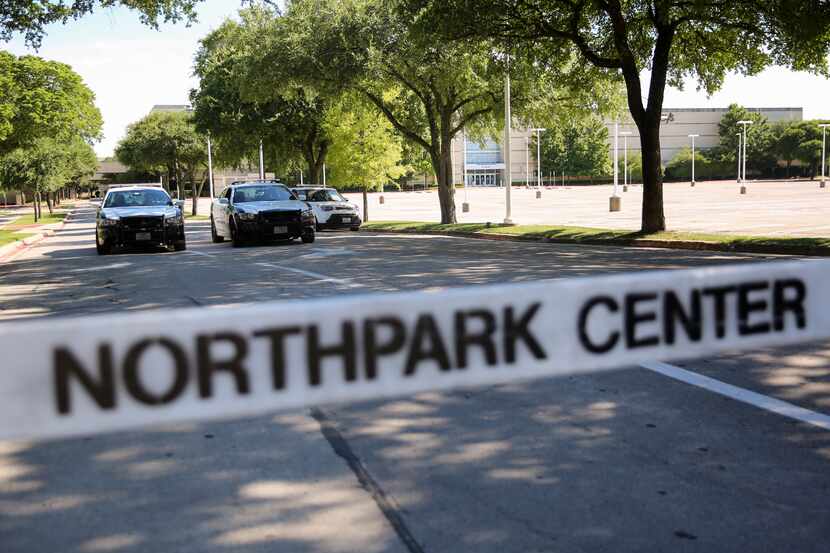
180	246
308	236
102	249
354	229
236	238
318	227
214	236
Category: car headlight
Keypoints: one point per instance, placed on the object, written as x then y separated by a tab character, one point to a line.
107	222
308	213
174	220
328	208
243	216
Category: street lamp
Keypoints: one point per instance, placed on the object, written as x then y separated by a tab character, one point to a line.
615	201
261	162
507	135
465	207
744	123
693	136
625	135
527	161
823	127
539	132
739	158
210	167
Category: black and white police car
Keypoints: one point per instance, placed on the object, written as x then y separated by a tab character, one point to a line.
139	215
258	211
331	209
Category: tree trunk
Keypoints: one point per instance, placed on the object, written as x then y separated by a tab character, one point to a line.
442	164
49	202
653	217
34	208
197	193
365	204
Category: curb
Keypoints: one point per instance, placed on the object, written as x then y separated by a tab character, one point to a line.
644	243
11	250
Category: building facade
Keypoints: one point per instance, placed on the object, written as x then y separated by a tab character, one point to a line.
485	162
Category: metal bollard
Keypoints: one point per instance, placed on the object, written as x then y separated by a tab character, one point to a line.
615	203
538	194
381	199
743	189
465	207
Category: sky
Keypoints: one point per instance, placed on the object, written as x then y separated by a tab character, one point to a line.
131	68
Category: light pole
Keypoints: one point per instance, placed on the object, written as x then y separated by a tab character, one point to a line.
625	135
693	136
507	136
744	123
261	162
527	161
739	158
539	132
324	175
465	206
823	127
210	167
615	201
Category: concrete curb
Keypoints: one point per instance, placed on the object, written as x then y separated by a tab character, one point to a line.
645	243
9	251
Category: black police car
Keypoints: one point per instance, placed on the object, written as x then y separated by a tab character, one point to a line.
139	216
260	210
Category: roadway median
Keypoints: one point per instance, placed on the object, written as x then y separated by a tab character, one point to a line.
805	246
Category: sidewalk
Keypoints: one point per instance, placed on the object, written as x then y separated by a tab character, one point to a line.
29	234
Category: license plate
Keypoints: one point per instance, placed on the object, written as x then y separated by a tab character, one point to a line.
280	230
346	219
141	236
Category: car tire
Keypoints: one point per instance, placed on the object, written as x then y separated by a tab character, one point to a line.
180	246
235	237
308	236
214	236
354	229
318	227
102	249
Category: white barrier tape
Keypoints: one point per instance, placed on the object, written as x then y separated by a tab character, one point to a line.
103	373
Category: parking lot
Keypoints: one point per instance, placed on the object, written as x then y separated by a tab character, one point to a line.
627	460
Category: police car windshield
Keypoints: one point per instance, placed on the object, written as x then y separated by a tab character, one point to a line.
137	198
325	196
265	193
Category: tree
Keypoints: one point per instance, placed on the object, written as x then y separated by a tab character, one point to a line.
671	39
167	142
788	140
577	147
30	17
45	99
365	149
287	117
429	90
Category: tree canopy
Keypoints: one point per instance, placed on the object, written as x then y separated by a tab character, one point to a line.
671	39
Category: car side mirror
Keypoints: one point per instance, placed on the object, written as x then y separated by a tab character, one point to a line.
223	201
179	204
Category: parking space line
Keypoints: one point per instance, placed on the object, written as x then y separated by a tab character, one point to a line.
194	252
761	401
317	276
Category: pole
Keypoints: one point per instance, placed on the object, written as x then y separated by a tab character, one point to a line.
261	162
614	202
693	161
527	161
625	162
744	162
210	167
507	135
739	157
464	161
823	150
539	157
301	177
324	175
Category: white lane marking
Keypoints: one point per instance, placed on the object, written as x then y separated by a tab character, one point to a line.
328	252
341	281
194	252
102	267
740	394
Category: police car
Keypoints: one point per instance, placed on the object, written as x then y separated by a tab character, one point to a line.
331	209
260	210
139	215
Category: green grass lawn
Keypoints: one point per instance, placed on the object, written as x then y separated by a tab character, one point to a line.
29	219
7	236
620	237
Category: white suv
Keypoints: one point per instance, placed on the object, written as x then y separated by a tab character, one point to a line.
331	209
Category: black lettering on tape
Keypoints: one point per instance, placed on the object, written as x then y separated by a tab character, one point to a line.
516	331
748	306
346	350
207	366
426	344
794	304
374	349
633	318
277	338
132	365
611	305
674	312
718	294
100	387
483	339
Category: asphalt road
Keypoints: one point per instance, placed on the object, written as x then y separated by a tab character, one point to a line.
629	460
